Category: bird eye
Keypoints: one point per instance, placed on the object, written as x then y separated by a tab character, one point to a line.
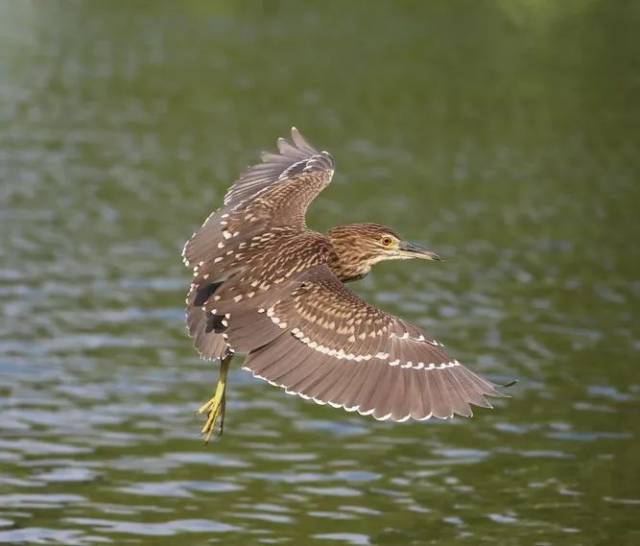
387	241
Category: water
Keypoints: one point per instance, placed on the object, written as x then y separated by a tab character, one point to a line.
502	134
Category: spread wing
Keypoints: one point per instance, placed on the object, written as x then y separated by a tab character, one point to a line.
316	338
276	192
296	160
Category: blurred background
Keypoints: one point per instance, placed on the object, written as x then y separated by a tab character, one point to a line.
504	134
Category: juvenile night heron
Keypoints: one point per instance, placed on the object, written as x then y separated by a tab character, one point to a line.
266	286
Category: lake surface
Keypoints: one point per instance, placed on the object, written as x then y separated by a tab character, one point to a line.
505	135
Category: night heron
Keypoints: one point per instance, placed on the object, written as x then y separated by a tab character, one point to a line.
266	286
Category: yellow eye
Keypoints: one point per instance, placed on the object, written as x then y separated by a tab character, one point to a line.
387	241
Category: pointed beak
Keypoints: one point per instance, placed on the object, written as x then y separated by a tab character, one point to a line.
414	250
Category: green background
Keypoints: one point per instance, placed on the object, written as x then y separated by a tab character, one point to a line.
505	135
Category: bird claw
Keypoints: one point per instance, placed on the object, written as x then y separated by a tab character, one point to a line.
214	409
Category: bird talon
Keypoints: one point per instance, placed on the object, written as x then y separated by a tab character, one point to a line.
205	407
214	408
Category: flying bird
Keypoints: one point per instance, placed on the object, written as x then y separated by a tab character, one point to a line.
267	287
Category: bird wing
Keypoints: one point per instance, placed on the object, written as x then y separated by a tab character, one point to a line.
275	192
296	161
242	271
317	339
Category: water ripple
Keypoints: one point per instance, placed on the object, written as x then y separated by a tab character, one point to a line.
123	124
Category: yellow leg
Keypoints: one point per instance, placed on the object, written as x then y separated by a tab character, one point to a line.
215	407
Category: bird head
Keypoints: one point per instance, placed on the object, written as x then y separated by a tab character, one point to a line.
359	246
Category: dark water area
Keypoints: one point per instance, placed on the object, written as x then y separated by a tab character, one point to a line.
505	135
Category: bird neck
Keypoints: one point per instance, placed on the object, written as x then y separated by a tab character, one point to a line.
348	262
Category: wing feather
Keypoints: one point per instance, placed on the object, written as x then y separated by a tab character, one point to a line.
355	355
276	192
314	167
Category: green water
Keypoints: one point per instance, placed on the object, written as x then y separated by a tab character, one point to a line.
505	135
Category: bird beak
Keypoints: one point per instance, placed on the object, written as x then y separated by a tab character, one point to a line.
414	250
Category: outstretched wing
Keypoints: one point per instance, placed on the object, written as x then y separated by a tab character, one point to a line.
276	192
316	338
297	160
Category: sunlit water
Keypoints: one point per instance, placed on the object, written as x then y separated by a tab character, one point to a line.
504	135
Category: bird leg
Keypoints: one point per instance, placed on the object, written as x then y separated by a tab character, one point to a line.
215	407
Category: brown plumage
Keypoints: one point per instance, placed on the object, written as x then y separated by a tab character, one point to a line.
266	286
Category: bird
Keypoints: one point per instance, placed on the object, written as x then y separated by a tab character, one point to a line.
267	287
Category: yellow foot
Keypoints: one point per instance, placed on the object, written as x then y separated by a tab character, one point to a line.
214	409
